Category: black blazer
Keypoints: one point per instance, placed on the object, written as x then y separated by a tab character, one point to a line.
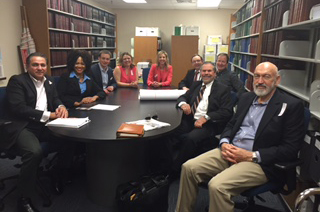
279	136
187	80
95	73
220	107
69	90
22	98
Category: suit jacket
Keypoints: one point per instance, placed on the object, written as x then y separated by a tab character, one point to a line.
69	90
280	133
95	73
220	108
231	79
22	98
187	80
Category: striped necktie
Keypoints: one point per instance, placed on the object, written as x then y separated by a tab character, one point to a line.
196	75
198	99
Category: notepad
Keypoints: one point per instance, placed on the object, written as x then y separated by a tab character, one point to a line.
68	122
105	107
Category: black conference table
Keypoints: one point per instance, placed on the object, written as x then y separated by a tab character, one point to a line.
110	160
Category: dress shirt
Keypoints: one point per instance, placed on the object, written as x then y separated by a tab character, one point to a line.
197	74
83	85
202	108
41	103
244	138
104	75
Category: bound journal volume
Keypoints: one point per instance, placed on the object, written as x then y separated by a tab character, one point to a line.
130	130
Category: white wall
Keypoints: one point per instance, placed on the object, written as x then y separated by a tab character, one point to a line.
10	33
211	22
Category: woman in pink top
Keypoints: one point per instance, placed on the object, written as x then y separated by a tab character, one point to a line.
160	73
126	73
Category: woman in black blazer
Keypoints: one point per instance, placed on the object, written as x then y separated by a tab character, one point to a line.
75	87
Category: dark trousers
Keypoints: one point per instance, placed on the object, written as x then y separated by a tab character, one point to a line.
31	151
187	140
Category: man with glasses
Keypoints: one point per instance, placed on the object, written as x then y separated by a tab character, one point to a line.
193	74
228	77
267	128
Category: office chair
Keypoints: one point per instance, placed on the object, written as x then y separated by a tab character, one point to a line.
145	74
290	171
8	154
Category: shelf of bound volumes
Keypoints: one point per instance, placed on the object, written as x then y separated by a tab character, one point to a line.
70	24
290	38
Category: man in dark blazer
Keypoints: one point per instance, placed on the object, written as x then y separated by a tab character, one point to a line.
32	101
267	128
102	74
187	81
203	120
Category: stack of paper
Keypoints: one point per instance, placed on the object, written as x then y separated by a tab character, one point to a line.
68	122
150	124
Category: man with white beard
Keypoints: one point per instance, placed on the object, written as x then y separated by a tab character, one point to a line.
267	128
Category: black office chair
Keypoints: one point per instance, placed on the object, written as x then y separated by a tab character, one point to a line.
288	168
8	154
145	74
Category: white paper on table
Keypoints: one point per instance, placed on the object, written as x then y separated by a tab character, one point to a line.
146	94
68	122
105	107
150	124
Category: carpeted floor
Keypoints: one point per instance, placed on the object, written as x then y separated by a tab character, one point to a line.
74	198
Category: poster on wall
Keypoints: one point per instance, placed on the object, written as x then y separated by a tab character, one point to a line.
1	66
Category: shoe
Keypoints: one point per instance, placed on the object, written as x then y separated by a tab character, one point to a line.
57	185
25	205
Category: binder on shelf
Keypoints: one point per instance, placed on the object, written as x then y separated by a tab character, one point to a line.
294	48
293	78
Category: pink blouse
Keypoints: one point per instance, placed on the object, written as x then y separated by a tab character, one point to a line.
128	78
158	75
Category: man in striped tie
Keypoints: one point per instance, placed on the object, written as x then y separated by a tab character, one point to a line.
207	108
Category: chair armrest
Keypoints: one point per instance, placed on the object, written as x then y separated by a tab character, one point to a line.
288	165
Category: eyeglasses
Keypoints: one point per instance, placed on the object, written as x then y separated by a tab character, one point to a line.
264	77
149	117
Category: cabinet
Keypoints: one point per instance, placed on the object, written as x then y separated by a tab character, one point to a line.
146	48
279	31
182	49
58	26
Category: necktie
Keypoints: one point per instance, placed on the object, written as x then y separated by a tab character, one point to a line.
198	99
196	76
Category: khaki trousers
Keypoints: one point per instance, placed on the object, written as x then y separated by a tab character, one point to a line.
225	181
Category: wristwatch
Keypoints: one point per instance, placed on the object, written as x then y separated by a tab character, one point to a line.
254	157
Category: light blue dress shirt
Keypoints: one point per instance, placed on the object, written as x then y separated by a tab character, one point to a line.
83	85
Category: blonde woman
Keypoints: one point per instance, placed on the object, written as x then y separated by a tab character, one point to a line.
160	73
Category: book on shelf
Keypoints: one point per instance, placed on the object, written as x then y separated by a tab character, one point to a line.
130	131
300	10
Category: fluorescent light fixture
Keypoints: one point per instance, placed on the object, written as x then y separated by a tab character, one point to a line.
208	3
135	1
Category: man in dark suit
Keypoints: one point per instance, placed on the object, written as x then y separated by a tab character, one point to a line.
193	74
102	74
228	77
32	100
267	128
202	117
